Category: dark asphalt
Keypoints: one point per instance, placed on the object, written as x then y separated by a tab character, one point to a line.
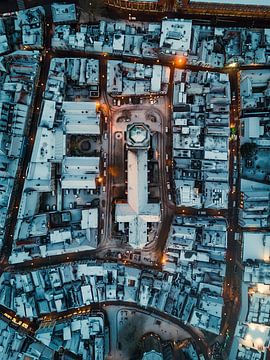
8	6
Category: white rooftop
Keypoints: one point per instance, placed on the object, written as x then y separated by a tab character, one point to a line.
256	246
63	12
79	172
48	114
175	35
137	212
80	117
89	219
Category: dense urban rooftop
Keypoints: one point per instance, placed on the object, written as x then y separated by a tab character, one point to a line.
134	180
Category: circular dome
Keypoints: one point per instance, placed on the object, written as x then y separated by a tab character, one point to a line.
138	134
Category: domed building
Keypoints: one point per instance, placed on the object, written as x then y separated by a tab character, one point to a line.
152	349
138	212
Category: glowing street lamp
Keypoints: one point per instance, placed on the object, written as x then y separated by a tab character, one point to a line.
181	60
99	179
164	259
233	65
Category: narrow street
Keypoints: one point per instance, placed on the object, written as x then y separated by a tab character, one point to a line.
201	345
232	284
34	114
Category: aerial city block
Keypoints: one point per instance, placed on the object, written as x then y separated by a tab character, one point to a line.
135	180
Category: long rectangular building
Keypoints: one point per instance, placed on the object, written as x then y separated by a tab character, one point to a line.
138	211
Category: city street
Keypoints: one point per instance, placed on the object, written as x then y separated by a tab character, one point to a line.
113	184
232	283
177	327
169	208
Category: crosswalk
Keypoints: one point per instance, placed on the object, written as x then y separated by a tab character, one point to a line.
21	5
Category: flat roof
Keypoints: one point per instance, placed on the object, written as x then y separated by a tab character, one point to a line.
89	219
48	114
76	182
156	78
176	34
256	246
79	165
63	12
82	124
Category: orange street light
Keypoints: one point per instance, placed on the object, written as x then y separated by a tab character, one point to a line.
99	179
181	60
164	259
